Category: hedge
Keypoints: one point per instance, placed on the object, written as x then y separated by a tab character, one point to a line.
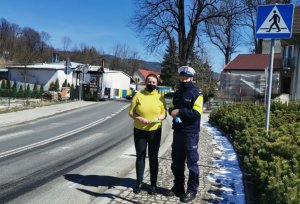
270	161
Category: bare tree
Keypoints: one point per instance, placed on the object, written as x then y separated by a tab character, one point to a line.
86	55
125	58
66	43
44	47
27	50
224	32
27	46
160	20
8	37
250	16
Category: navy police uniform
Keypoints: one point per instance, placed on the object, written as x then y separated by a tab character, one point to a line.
186	127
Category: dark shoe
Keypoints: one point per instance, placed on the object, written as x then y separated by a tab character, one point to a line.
137	188
189	196
153	190
174	192
170	193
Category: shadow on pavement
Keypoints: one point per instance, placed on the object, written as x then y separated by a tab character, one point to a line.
109	182
98	180
106	195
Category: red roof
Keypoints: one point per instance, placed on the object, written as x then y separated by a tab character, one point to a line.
253	62
145	72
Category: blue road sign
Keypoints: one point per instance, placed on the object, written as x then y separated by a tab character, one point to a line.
274	21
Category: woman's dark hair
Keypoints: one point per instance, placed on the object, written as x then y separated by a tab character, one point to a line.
151	75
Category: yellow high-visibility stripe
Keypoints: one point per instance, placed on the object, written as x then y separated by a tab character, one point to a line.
198	105
171	105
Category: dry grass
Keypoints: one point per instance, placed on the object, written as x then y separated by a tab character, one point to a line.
24	105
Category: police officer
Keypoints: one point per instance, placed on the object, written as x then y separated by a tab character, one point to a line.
186	110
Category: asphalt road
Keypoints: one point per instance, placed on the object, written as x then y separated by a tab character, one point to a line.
59	159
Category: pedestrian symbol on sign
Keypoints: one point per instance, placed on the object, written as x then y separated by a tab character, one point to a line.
276	20
274	23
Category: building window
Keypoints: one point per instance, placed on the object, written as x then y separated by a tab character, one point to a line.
288	56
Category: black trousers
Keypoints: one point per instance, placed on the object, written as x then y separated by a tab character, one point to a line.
185	149
142	139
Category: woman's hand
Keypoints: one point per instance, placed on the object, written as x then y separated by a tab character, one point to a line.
161	117
142	120
174	113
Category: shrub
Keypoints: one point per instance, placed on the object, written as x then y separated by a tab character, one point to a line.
270	161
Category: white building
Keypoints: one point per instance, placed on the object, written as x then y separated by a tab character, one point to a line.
104	83
107	83
42	73
244	78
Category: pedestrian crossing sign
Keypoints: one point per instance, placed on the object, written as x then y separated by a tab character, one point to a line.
274	21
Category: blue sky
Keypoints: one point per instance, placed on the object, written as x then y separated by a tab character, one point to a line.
98	23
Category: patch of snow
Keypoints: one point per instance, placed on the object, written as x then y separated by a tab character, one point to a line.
227	173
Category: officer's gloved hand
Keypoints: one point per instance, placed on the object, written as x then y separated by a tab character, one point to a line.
177	120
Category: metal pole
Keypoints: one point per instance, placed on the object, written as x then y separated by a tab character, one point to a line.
9	89
80	84
270	75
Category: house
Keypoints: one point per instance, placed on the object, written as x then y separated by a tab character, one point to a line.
291	57
286	70
244	77
140	77
103	83
42	73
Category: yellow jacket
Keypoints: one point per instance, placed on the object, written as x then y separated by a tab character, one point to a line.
148	105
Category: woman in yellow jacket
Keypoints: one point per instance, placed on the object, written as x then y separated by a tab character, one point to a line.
147	109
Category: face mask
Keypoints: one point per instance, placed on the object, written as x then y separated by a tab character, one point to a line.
185	84
150	87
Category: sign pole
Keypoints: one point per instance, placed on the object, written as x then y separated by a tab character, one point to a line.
273	22
270	76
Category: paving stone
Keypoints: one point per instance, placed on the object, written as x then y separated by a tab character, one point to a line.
208	151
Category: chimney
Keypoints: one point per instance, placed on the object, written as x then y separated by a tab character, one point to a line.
55	57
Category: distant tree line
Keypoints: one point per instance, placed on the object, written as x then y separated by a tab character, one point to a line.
26	45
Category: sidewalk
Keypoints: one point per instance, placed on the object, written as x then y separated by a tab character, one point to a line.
211	189
12	118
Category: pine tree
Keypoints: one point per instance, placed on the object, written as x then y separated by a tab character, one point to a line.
72	92
41	91
27	91
56	85
52	86
20	93
8	87
204	79
64	84
3	88
35	93
14	90
170	65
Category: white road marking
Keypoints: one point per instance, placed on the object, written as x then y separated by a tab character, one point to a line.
11	135
56	138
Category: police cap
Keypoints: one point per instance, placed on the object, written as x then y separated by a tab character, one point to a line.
186	71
